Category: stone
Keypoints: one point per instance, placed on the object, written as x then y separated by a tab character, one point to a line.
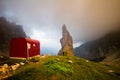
1	57
58	59
66	43
21	63
13	67
70	61
17	65
4	68
54	77
87	60
4	71
110	71
43	56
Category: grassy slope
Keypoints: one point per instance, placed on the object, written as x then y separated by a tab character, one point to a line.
58	68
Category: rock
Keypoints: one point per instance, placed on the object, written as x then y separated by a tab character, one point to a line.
54	77
21	63
14	67
87	60
66	43
4	71
43	56
110	71
58	59
4	68
17	65
69	61
1	57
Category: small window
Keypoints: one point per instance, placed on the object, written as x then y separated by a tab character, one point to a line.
34	45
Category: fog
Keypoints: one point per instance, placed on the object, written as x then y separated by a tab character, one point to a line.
42	19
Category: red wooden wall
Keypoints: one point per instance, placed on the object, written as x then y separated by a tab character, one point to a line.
20	49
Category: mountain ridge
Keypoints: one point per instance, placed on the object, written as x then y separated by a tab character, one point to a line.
8	30
100	49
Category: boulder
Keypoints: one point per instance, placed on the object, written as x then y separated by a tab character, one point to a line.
14	67
21	63
70	61
4	68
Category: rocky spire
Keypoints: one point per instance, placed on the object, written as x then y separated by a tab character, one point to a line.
66	43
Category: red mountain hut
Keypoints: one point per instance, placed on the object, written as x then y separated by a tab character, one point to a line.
24	47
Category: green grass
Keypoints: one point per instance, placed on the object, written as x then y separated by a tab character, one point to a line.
54	67
50	68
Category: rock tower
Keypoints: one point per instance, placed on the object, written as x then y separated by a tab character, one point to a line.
66	43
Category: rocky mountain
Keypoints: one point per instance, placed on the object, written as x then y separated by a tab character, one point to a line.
106	48
8	31
66	43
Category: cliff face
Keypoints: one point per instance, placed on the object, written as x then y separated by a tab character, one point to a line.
100	49
66	43
7	32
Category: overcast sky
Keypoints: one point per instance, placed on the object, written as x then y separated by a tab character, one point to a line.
43	19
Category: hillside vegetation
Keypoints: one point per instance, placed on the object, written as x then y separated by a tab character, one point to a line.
64	68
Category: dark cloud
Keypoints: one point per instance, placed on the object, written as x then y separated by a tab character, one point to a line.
43	19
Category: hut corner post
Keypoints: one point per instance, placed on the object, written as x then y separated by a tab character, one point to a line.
28	47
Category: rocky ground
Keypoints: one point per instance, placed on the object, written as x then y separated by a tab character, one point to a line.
6	70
